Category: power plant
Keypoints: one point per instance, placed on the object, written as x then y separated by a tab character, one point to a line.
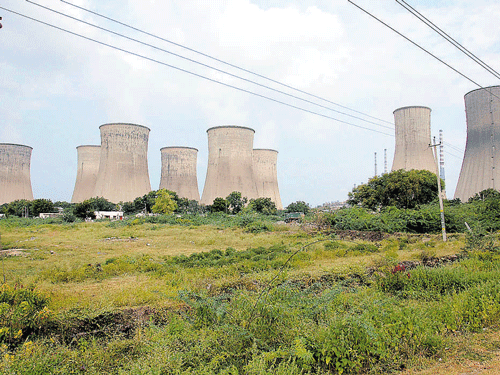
413	136
86	175
178	171
230	163
266	175
15	178
123	167
481	166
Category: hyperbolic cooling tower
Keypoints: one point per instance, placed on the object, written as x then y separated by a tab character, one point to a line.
123	166
15	179
481	164
178	171
230	163
266	175
86	175
413	136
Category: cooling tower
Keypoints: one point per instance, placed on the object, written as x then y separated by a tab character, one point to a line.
123	167
230	163
86	174
178	171
266	175
15	179
413	136
481	166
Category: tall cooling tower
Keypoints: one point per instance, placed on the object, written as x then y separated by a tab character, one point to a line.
266	175
86	175
123	166
178	171
15	179
413	136
230	163
481	164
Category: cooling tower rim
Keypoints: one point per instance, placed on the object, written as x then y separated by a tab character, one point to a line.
412	106
179	147
483	88
230	127
15	144
88	146
125	123
265	149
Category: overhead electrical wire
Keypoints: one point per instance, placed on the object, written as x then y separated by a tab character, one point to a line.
206	65
447	37
415	44
221	61
191	73
423	49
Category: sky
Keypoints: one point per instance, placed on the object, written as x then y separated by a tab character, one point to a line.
56	88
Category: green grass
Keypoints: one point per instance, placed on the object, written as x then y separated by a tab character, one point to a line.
170	297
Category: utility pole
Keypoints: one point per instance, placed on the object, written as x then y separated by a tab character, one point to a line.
440	195
375	164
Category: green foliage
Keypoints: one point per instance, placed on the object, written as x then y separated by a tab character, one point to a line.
219	205
402	189
84	210
22	310
236	202
488	194
101	204
39	206
299	206
164	204
19	208
263	206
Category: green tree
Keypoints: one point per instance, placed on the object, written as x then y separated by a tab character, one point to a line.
164	203
402	189
263	206
84	210
299	206
219	205
102	204
236	202
485	195
39	206
17	208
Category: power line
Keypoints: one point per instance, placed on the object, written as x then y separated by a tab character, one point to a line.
415	44
221	61
205	65
447	37
454	147
191	73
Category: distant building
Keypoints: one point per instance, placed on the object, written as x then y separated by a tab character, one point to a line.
50	214
112	215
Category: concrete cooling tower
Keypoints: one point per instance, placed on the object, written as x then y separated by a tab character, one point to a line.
15	178
230	163
481	164
123	167
413	136
178	171
266	175
86	175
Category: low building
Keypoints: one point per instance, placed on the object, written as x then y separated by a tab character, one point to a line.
50	214
112	215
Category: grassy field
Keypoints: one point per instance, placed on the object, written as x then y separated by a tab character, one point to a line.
151	298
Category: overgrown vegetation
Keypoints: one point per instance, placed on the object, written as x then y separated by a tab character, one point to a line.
237	291
236	302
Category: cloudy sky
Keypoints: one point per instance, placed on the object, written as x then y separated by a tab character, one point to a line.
56	89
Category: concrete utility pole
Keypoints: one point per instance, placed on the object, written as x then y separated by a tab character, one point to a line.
440	195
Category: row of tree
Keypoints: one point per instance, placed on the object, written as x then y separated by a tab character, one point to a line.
158	201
